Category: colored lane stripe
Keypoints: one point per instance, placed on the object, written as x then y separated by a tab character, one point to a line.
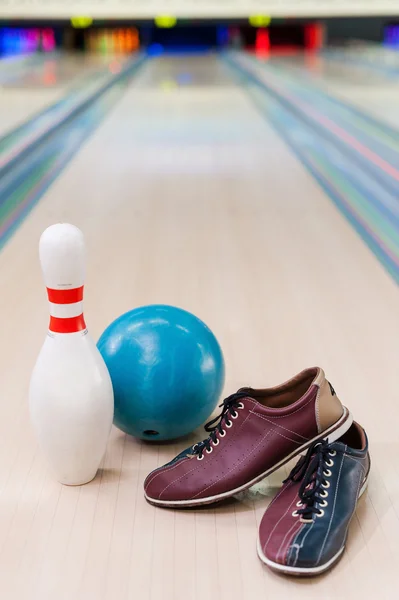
335	129
318	129
350	119
336	184
383	140
364	126
348	187
349	139
71	325
343	196
51	158
28	130
348	196
51	119
65	296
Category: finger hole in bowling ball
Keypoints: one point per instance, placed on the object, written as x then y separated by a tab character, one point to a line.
150	432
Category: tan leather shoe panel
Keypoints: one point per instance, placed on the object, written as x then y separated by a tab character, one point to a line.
328	406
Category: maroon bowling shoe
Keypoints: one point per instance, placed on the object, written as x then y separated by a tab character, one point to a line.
256	433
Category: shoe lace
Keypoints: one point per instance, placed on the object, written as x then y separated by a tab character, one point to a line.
312	470
229	409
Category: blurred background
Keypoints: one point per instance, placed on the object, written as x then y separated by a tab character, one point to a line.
325	24
57	66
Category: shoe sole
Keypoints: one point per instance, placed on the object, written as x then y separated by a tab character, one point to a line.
332	433
307	571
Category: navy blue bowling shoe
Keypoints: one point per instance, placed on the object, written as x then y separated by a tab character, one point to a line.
304	529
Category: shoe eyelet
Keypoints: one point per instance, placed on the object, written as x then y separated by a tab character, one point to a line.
240	405
320	513
222	433
324	503
229	424
327	473
234	416
332	453
209	450
324	494
295	513
216	442
200	457
306	520
325	485
329	463
299	504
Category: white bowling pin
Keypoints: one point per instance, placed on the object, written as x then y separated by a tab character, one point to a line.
71	397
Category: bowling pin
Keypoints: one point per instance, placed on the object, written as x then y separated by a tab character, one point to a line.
70	397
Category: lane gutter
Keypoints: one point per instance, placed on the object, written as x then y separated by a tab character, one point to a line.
364	156
8	164
35	171
389	259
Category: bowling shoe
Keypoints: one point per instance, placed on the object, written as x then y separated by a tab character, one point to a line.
257	431
304	529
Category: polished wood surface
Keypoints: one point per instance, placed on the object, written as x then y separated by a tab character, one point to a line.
187	196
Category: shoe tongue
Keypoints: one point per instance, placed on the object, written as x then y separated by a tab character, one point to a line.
246	390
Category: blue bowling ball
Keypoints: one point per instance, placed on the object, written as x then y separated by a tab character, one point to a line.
167	371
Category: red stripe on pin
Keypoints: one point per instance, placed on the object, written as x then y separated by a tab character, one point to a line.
69	325
65	296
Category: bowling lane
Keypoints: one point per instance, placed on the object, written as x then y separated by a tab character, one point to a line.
354	156
39	81
373	86
369	81
187	196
